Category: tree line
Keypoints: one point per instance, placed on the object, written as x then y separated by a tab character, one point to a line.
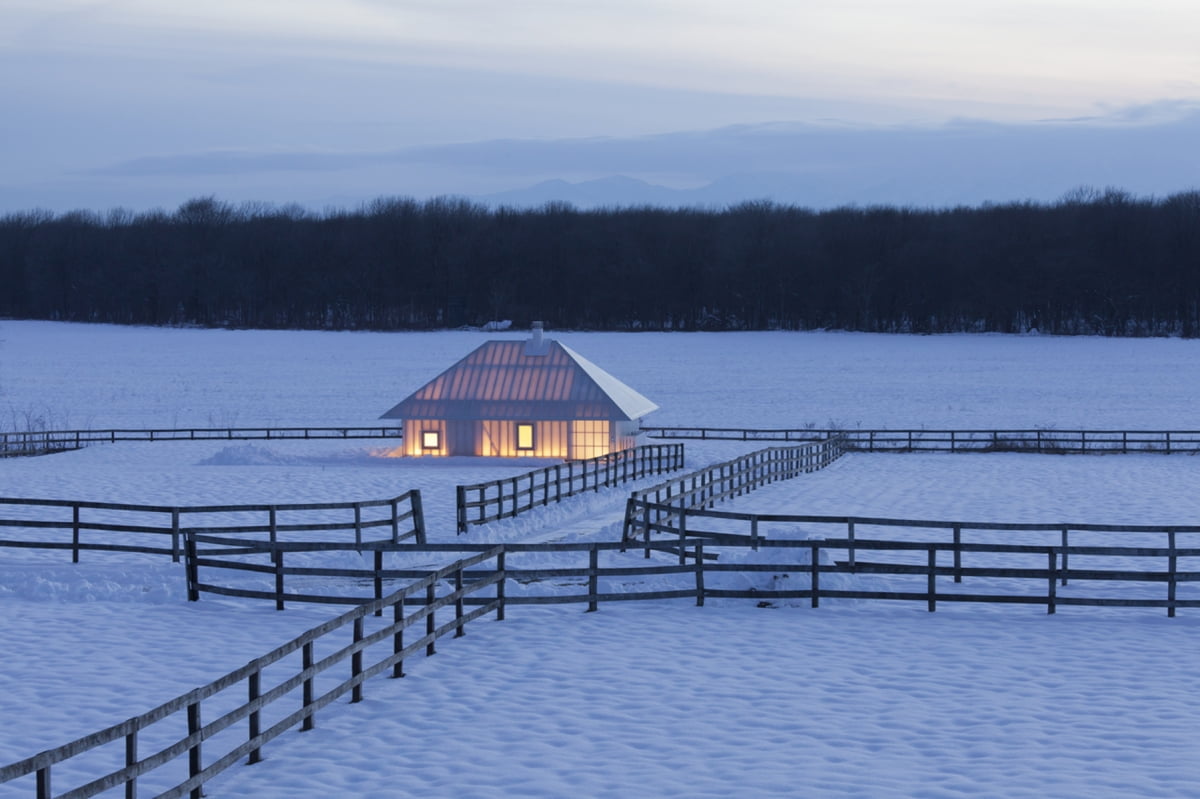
1095	262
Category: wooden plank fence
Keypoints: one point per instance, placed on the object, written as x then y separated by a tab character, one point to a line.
706	487
74	525
685	525
353	641
1044	440
41	442
1036	440
955	560
505	498
479	581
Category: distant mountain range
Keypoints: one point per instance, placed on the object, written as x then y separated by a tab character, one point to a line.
1146	152
821	166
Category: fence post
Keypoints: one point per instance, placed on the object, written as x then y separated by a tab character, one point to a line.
815	573
174	532
958	553
398	636
379	579
850	535
625	525
754	532
646	528
131	759
460	506
699	573
395	505
255	687
192	569
195	765
1051	594
1171	564
358	527
277	559
75	533
1065	555
558	482
460	629
682	536
932	588
430	624
272	522
356	693
418	515
306	663
593	577
500	594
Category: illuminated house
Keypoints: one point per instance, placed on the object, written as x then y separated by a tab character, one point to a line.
535	398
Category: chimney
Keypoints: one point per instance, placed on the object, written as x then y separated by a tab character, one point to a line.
536	344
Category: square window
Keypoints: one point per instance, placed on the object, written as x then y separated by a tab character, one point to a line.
431	439
524	436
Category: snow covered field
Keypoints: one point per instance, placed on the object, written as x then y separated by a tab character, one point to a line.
648	699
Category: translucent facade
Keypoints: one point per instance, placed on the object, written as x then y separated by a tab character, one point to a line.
509	399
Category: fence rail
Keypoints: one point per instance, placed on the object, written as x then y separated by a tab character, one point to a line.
160	529
706	487
1039	440
502	499
41	442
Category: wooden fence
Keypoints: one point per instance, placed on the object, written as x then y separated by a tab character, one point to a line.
489	581
940	558
706	487
1044	440
160	530
1024	570
41	442
505	498
249	682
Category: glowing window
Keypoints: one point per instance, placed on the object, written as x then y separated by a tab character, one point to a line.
590	439
431	439
524	436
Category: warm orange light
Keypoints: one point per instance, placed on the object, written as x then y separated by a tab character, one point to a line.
524	436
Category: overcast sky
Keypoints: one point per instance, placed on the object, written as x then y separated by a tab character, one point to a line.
144	103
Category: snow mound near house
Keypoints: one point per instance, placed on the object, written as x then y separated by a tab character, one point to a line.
248	455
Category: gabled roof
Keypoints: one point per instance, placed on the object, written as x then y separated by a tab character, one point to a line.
520	380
